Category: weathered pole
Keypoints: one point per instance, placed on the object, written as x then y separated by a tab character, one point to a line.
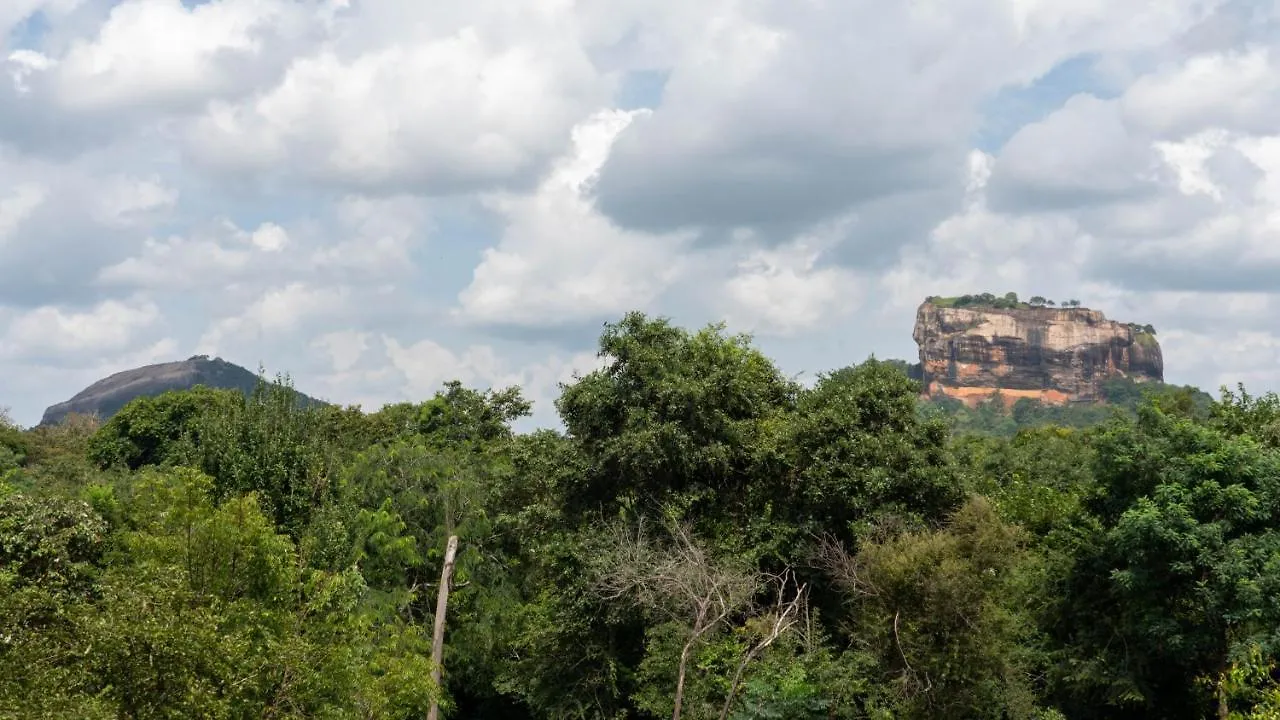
437	636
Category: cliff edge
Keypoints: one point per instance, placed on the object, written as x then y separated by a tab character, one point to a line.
1054	355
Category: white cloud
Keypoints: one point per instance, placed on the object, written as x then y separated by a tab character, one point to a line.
14	12
175	262
426	365
269	237
22	64
1239	89
1187	159
276	312
204	260
783	291
108	327
344	348
124	200
559	261
19	205
980	250
798	113
294	183
378	237
1225	357
1080	155
1171	186
165	53
439	104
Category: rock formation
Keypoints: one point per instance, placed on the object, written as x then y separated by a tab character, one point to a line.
105	397
1054	355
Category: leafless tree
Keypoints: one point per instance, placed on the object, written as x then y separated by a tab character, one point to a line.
778	620
678	579
844	567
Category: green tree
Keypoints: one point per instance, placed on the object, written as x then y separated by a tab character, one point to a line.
51	553
206	610
943	618
14	445
56	459
1248	690
1040	479
456	416
1241	414
158	429
1184	570
695	415
861	453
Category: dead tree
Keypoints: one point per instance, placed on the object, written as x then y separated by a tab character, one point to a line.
782	616
681	581
437	635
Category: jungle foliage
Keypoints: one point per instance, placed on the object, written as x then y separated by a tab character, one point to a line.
704	538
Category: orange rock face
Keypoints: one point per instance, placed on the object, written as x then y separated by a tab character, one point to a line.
973	395
1051	355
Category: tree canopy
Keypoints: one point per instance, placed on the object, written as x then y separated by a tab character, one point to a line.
704	538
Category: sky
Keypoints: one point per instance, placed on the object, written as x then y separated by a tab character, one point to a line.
378	196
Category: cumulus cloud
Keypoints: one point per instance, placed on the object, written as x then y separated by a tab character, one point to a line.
435	103
108	327
381	196
164	54
785	290
278	310
1081	155
979	249
206	259
1236	88
559	261
124	200
19	205
376	237
344	348
426	365
1175	189
790	116
60	223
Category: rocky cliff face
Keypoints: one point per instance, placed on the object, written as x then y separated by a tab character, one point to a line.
1048	354
105	397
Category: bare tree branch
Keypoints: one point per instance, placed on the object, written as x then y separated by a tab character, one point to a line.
785	614
676	579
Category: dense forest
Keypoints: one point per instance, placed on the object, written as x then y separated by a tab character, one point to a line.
1119	396
706	538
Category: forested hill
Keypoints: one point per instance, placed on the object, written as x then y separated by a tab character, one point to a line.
706	539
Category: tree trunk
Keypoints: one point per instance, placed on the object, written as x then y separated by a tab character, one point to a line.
437	636
737	680
684	662
1224	708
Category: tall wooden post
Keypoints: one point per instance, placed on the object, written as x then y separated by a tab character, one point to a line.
437	637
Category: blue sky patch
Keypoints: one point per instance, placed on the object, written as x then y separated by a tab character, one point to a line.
642	89
30	32
1013	107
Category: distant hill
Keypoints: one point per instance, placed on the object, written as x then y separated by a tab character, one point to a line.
107	396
